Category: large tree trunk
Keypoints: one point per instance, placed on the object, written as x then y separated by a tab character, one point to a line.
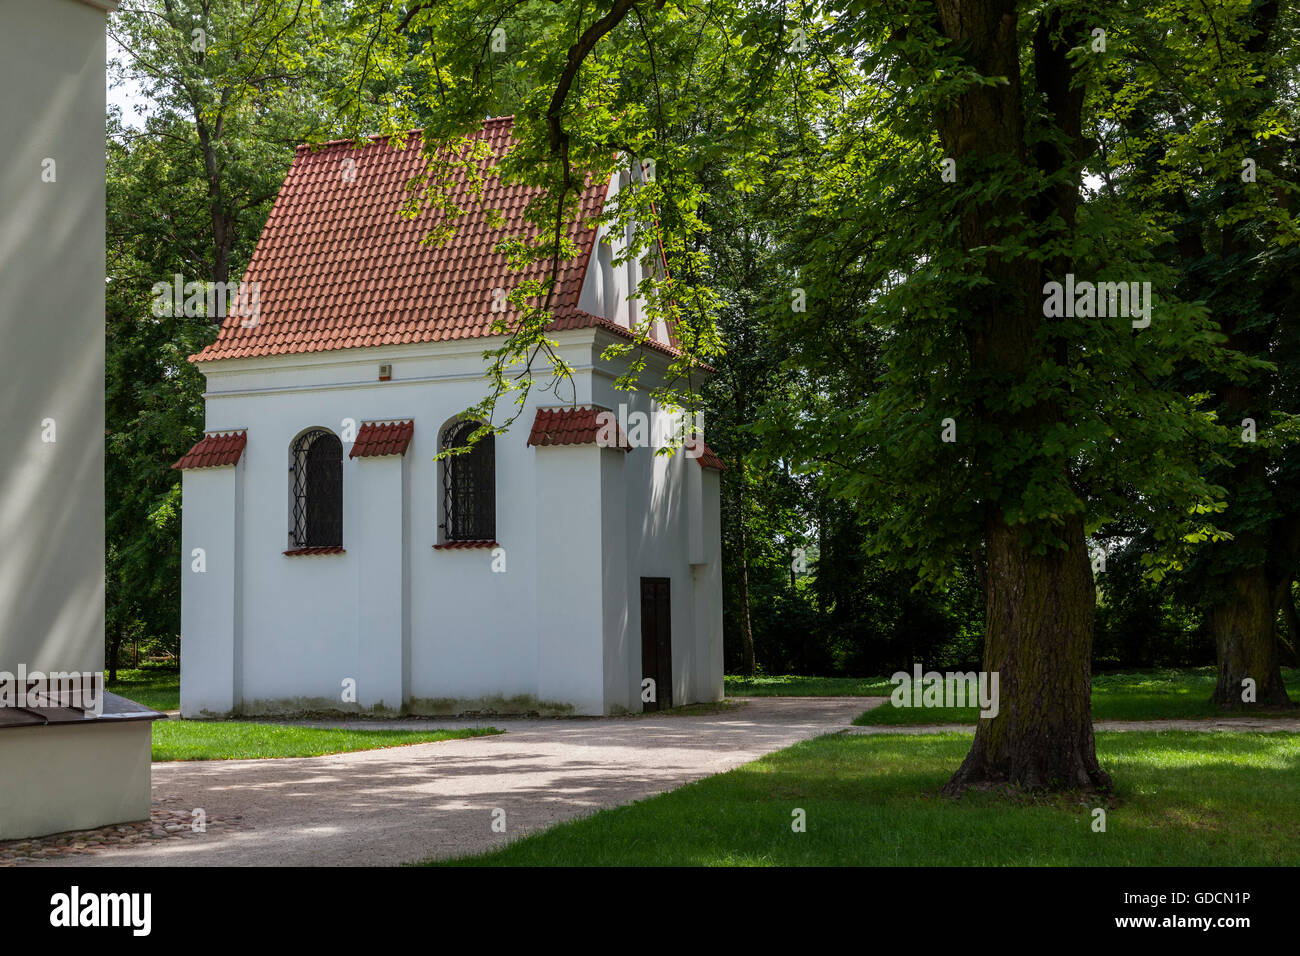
1040	600
1244	616
1038	640
1244	627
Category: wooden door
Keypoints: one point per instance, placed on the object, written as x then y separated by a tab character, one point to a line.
657	640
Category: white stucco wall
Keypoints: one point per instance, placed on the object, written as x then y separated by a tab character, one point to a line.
660	541
212	528
423	629
608	286
382	553
52	335
622	645
708	592
569	615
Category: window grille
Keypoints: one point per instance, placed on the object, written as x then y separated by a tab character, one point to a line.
469	486
316	467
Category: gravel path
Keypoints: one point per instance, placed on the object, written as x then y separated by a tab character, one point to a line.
401	804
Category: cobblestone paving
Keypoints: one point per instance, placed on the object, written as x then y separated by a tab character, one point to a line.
168	821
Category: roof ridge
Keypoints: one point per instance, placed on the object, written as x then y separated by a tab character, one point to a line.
374	138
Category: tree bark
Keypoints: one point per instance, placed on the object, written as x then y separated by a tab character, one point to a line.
222	233
1038	640
1244	628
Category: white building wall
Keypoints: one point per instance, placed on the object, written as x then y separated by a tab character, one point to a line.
570	611
469	649
211	529
608	288
52	270
708	592
620	643
301	618
381	640
657	519
557	630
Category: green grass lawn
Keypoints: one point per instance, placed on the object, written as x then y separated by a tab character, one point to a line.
235	740
156	687
1188	799
789	685
1138	695
1144	695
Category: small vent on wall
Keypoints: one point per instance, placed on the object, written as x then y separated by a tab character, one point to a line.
385	373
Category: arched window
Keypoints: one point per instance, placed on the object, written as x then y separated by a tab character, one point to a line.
316	470
469	486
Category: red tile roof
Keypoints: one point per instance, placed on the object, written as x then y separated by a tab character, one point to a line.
320	549
214	449
573	426
339	268
458	545
707	457
375	439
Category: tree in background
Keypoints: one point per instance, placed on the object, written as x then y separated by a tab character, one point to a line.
1062	422
971	427
791	548
232	87
912	176
1200	141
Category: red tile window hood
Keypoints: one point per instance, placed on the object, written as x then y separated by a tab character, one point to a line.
376	439
214	450
573	426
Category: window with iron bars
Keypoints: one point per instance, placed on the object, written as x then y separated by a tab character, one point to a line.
316	470
469	486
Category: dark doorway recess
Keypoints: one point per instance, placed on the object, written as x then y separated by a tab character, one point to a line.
657	640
